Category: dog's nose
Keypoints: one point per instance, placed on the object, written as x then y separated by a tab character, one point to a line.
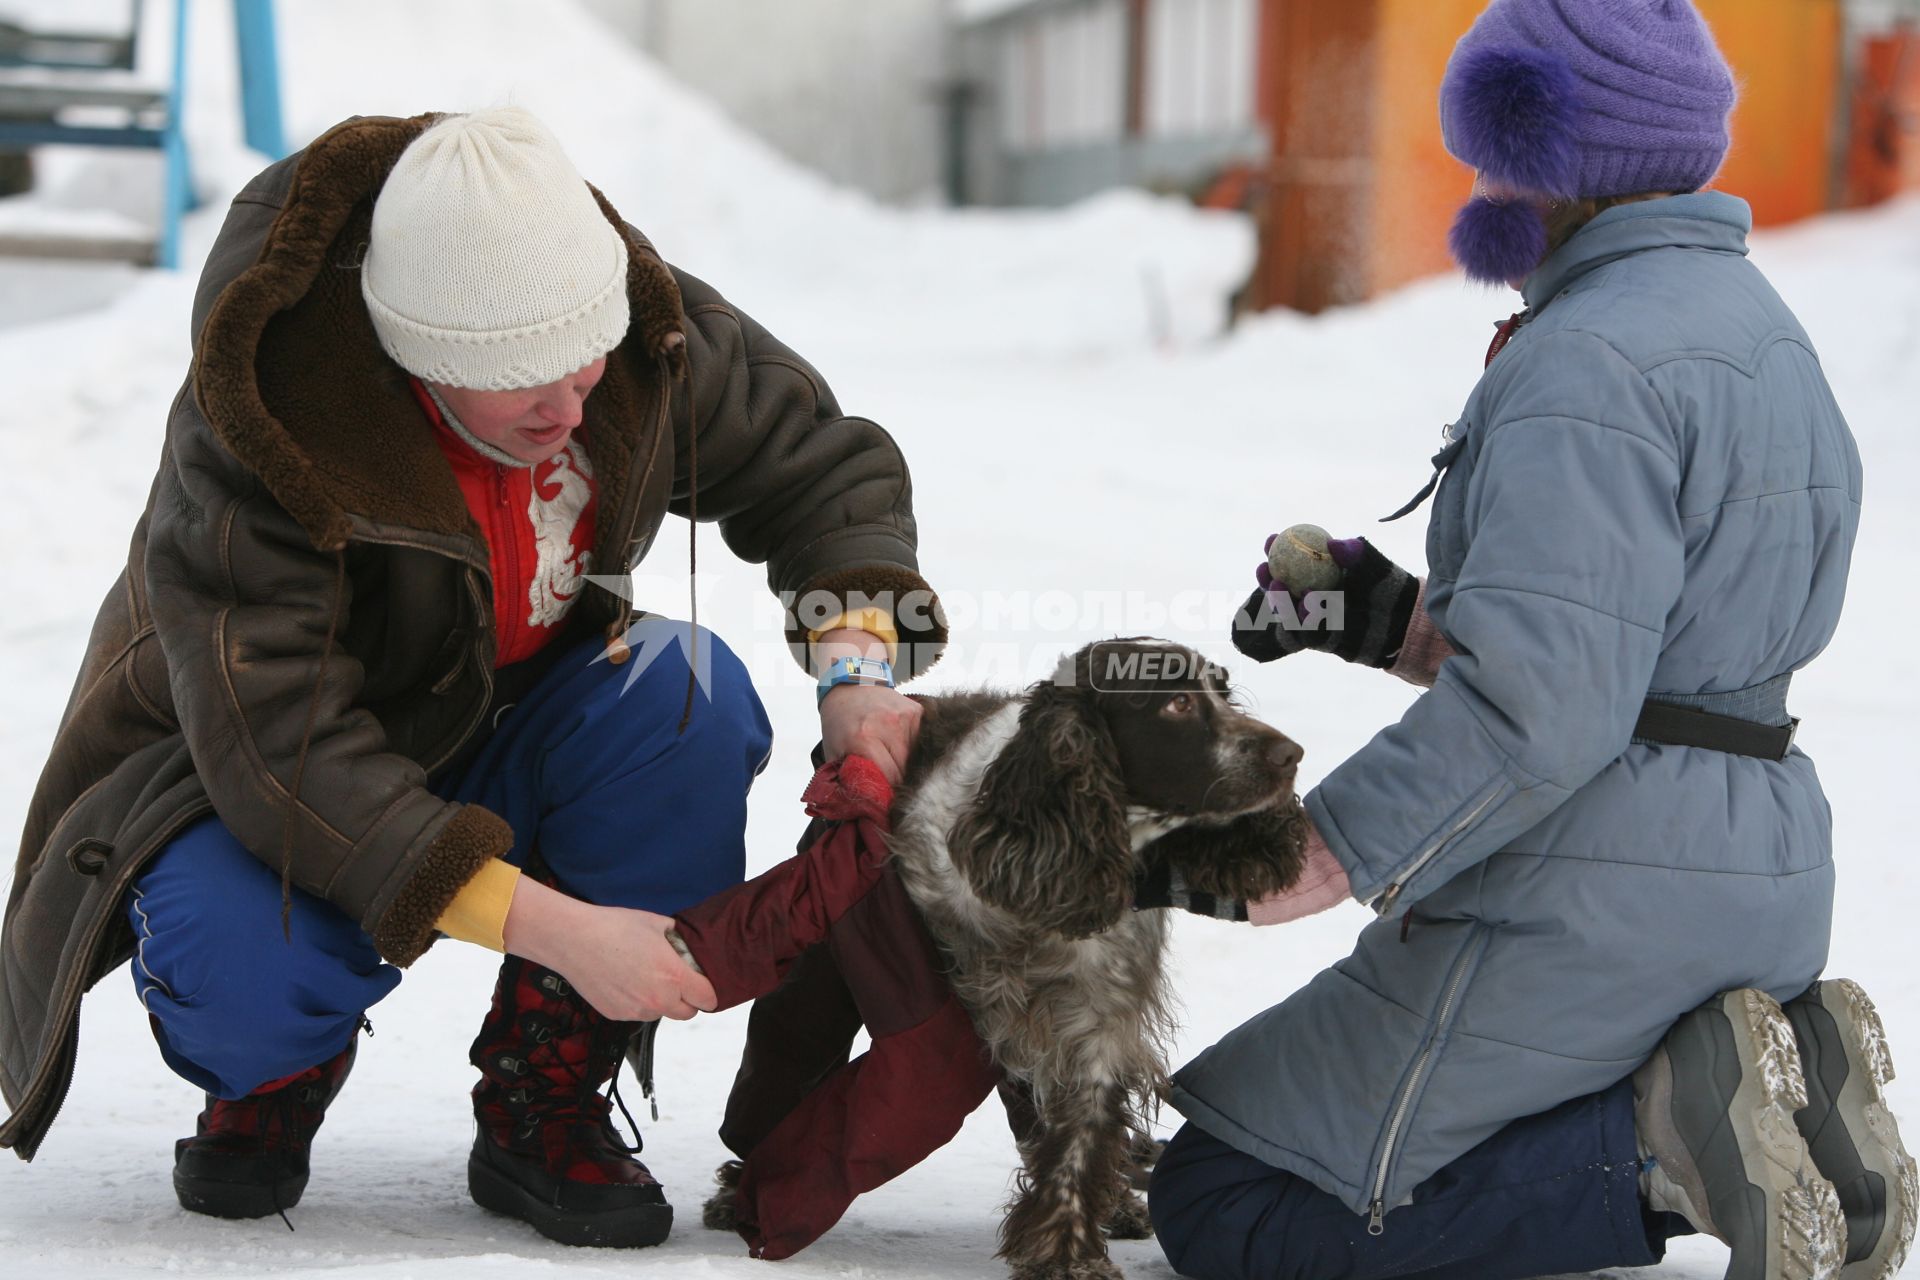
1286	754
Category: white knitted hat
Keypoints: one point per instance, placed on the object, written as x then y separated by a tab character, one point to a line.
490	264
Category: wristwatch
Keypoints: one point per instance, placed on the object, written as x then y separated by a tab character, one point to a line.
874	671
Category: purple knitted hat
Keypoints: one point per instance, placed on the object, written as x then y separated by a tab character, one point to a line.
1571	99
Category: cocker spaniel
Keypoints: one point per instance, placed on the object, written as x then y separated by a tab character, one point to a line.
1020	830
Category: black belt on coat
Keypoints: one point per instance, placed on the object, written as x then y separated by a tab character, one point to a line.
1677	726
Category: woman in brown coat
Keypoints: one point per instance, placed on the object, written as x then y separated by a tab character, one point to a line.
359	686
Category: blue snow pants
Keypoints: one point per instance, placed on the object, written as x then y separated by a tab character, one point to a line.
627	811
1554	1193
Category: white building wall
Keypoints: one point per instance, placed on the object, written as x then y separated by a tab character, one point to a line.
1063	74
851	88
1873	15
1049	122
1201	64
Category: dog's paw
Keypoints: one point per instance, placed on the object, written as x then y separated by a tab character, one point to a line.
1142	1154
720	1213
1264	852
1130	1220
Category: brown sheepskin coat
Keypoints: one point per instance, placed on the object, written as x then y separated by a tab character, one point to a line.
306	611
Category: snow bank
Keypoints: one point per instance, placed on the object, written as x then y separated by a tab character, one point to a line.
1125	271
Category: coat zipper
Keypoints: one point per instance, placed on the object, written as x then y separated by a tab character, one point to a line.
507	539
1383	905
1377	1211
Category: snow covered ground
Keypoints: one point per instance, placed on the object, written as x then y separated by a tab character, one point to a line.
1089	457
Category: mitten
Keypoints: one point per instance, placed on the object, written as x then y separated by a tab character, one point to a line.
1343	581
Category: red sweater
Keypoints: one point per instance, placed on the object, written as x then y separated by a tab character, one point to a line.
538	523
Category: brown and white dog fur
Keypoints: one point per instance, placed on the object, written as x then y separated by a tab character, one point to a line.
1020	831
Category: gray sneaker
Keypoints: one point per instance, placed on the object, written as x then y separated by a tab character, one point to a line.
1713	1109
1852	1134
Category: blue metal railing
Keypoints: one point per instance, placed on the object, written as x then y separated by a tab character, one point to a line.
155	123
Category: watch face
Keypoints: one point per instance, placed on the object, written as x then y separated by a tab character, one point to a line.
850	670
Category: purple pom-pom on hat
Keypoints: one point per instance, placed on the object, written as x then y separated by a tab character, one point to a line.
1496	241
1518	111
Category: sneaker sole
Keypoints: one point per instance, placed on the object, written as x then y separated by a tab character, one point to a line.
1780	1217
1873	1143
635	1227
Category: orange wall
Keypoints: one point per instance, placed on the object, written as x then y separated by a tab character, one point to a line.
1786	54
1418	187
1884	158
1316	91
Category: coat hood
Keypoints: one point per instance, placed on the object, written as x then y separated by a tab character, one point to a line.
293	382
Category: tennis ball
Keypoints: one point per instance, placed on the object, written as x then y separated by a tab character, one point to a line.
1299	558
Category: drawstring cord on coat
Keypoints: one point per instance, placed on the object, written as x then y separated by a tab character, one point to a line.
618	651
693	558
306	741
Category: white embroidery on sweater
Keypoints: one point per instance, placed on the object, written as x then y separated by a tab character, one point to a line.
556	579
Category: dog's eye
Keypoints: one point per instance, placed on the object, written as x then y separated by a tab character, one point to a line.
1180	704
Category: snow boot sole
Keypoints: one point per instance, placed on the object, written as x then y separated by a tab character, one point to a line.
206	1192
588	1215
1849	1128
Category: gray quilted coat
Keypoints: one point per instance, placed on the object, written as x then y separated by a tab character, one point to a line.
1650	491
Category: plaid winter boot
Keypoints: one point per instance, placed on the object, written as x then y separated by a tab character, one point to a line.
248	1158
546	1151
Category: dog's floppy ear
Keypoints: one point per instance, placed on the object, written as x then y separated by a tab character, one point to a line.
1046	835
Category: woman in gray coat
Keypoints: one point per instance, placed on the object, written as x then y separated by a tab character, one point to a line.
1601	864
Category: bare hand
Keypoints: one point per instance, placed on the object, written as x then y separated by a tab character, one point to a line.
618	959
872	721
1322	884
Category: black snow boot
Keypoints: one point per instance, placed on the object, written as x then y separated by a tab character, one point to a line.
248	1158
546	1151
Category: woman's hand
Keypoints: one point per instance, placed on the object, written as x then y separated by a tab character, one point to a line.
871	721
865	720
618	959
1322	884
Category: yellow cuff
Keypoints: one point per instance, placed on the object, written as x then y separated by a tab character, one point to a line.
478	913
873	620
